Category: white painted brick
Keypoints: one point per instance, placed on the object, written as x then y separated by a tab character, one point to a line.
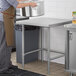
60	8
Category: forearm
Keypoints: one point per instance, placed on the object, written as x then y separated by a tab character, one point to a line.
21	5
21	0
18	0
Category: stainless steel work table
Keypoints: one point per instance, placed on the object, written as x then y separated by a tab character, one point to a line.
70	49
43	22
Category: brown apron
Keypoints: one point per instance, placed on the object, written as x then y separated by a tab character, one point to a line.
8	16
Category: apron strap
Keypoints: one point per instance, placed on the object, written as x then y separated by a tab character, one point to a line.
8	14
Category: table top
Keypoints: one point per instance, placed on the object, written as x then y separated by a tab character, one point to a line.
18	18
70	26
44	22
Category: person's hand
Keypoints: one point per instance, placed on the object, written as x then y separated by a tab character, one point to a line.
22	0
32	4
22	5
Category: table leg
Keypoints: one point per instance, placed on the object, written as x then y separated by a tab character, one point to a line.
67	50
49	50
23	46
41	46
71	74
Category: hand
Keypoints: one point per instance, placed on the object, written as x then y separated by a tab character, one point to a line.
33	4
21	5
22	0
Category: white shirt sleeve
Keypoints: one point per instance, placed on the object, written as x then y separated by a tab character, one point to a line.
14	3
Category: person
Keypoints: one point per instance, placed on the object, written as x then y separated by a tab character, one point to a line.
6	30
